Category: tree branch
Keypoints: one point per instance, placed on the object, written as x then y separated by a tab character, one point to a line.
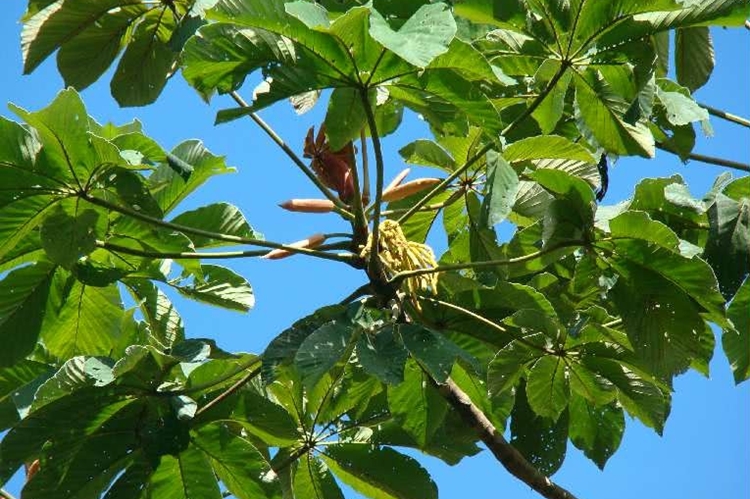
511	459
212	235
725	115
229	391
711	160
373	266
341	208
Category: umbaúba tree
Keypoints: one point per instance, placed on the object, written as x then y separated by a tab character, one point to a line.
587	313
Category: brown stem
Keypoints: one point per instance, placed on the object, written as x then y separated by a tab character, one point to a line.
711	160
739	120
511	459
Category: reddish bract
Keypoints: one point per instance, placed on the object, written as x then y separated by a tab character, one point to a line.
333	168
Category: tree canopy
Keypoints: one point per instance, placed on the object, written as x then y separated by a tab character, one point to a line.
586	313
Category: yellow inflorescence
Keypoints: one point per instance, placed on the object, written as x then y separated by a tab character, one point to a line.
398	254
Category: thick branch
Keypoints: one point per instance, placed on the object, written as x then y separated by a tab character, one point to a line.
509	457
341	208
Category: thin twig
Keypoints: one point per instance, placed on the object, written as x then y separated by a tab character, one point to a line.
488	322
487	147
229	391
511	459
212	235
341	208
711	160
363	290
396	279
365	166
6	495
725	115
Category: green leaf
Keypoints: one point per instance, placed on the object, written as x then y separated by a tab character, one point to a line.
221	287
416	405
680	109
663	324
345	117
147	62
63	24
509	364
283	348
78	372
639	396
542	441
381	355
81	319
427	152
728	246
266	420
164	322
312	14
237	463
639	225
219	217
422	38
596	430
23	299
547	387
170	189
432	350
322	350
591	386
186	476
13	381
379	472
85	56
736	341
221	55
62	128
66	239
694	56
602	112
313	480
503	188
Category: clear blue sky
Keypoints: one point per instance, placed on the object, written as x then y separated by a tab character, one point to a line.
705	450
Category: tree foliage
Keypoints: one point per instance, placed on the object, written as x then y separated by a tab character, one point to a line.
587	313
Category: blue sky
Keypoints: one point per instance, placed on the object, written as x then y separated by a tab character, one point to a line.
705	450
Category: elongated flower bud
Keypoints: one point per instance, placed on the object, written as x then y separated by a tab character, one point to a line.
308	205
311	242
405	190
397	179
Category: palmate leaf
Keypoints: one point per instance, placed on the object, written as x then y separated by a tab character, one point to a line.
542	441
218	286
416	405
236	461
313	480
90	35
23	301
323	349
736	341
597	430
379	472
22	377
